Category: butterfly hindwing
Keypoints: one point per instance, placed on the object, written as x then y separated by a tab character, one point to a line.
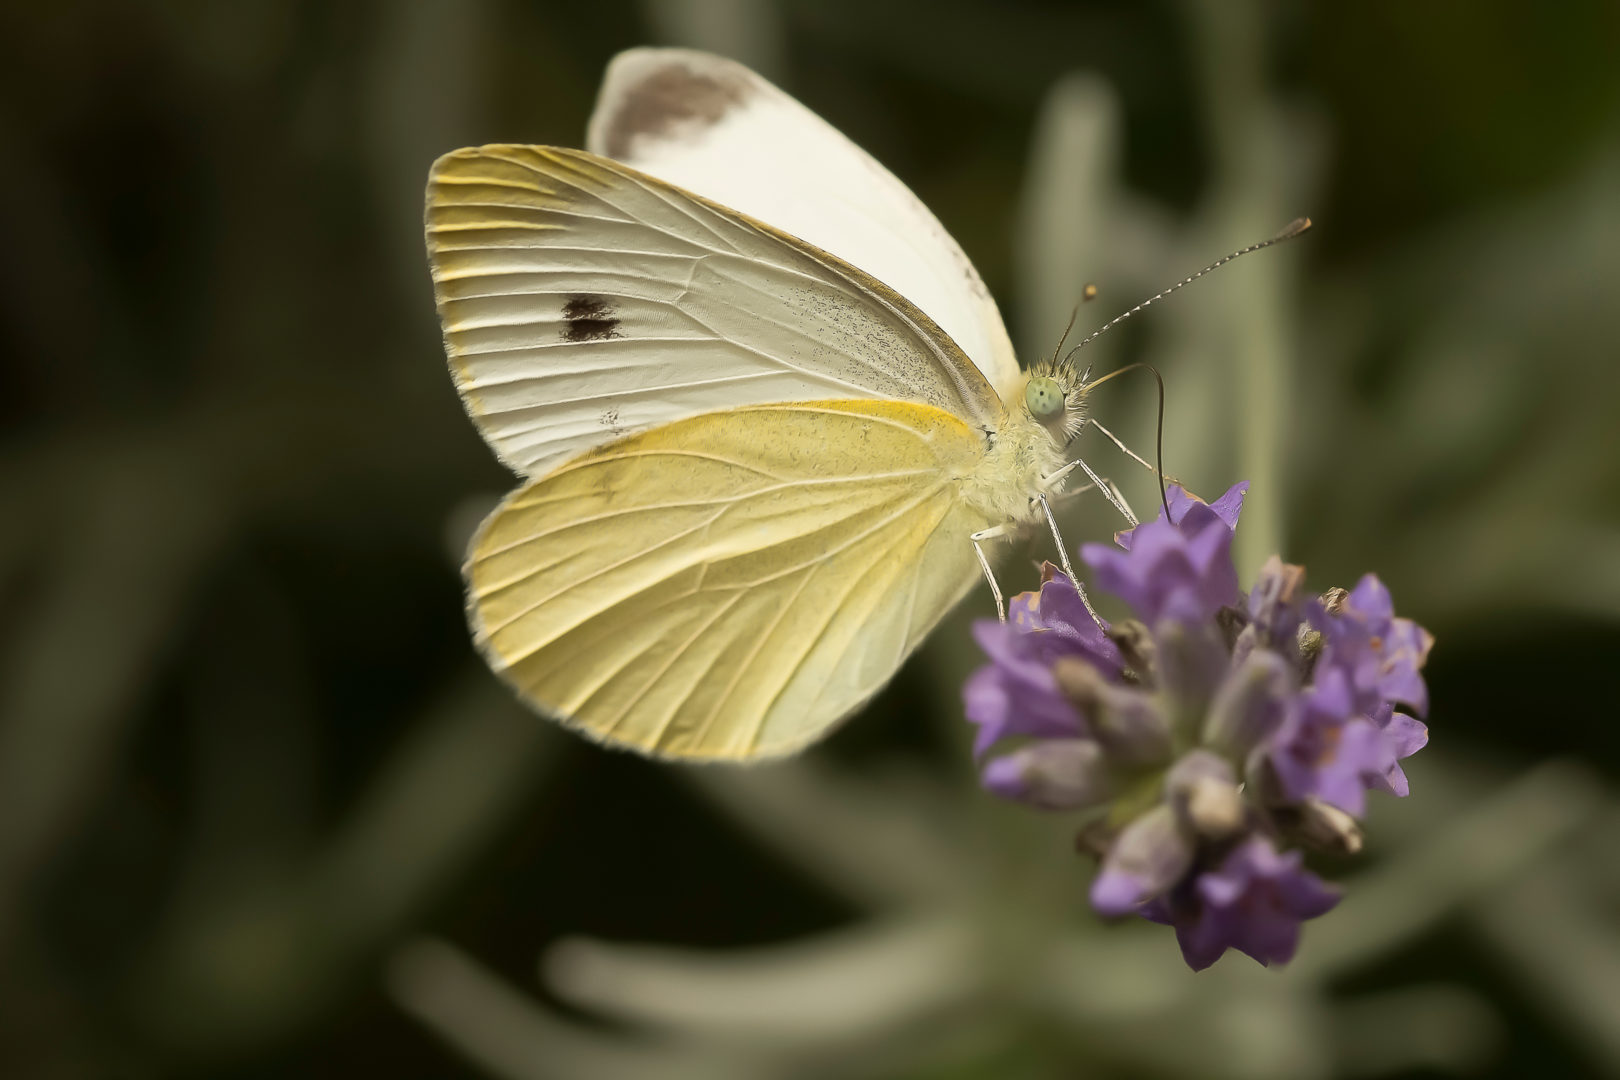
730	585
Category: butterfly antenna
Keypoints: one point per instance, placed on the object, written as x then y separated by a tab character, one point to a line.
1291	230
1088	292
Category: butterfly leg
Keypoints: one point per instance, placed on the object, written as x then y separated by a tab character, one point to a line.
1110	491
1120	495
1063	496
1063	555
978	539
999	531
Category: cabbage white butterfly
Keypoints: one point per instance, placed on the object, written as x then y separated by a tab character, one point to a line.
765	410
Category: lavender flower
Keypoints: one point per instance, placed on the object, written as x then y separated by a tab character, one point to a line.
1018	693
1208	734
1182	569
1326	750
1253	901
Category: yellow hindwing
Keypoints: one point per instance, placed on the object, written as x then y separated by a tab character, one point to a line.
731	585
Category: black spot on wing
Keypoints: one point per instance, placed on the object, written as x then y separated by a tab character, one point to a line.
673	101
588	318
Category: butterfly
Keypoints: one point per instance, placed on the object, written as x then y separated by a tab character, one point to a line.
765	411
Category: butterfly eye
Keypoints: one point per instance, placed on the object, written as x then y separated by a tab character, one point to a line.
1044	398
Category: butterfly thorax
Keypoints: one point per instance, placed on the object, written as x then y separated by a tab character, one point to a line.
1021	453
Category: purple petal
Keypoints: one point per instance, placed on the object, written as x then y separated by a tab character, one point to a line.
1023	611
1303	894
1403	736
1204	938
1180	500
1393	782
1117	892
1179	571
1370	598
1319	751
1254	902
1062	612
1406	735
1230	505
1210	552
1015	694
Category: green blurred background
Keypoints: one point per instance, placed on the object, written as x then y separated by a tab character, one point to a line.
263	812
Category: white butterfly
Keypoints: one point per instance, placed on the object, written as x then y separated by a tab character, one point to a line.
759	459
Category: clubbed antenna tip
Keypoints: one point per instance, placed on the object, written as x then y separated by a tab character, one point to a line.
1292	229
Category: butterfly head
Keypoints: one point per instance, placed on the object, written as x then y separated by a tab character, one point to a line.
1055	397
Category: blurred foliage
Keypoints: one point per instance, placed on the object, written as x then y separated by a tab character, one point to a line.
263	813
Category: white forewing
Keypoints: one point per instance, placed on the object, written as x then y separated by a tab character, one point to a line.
582	300
716	128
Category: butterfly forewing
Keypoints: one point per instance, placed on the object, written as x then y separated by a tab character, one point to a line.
716	128
582	300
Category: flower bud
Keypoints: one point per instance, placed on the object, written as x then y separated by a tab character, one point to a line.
1126	721
1192	659
1275	600
1148	857
1215	809
1135	644
1053	774
1204	796
1248	706
1322	826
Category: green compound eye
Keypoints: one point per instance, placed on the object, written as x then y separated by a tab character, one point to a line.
1044	398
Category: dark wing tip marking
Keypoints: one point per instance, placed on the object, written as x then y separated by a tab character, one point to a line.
674	97
588	318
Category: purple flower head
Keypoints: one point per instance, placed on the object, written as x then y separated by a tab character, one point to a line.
1254	901
1178	566
1207	729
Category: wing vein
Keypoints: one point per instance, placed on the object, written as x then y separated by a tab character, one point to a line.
821	631
726	500
753	653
